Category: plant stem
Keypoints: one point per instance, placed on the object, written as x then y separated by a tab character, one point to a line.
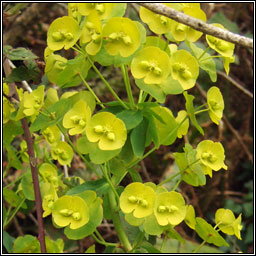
138	241
38	199
163	243
201	111
14	212
117	222
128	86
106	83
205	51
170	178
105	173
199	247
91	91
103	242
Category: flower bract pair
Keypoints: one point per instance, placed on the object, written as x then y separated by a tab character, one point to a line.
52	134
211	155
62	152
216	104
63	32
141	200
77	118
122	36
106	129
152	64
70	210
227	223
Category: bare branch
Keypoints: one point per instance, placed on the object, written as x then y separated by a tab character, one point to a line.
199	24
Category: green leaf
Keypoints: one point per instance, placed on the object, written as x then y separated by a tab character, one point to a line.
96	216
206	62
152	227
126	153
152	133
248	209
153	89
91	249
131	118
10	131
119	10
96	155
149	247
19	53
171	86
12	198
158	42
13	160
26	244
27	186
117	167
138	138
191	111
18	74
8	241
208	233
100	186
135	175
173	234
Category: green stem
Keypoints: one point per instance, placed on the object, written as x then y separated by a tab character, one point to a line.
137	242
128	86
166	44
76	50
13	182
217	56
14	212
163	243
106	83
205	51
201	111
177	184
150	98
199	247
170	178
103	242
117	222
144	96
196	109
105	173
91	91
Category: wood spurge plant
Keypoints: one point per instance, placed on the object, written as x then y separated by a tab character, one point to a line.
156	57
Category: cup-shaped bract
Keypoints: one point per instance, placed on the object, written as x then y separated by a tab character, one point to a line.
157	23
33	101
92	34
216	104
8	108
70	210
49	196
170	208
63	32
190	218
223	47
106	129
227	222
73	11
104	10
183	129
152	64
184	68
211	154
139	199
181	32
49	173
52	134
76	118
62	152
122	35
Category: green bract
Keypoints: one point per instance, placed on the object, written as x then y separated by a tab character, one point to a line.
227	222
181	32
138	199
184	68
183	129
63	32
106	129
49	173
73	11
216	104
62	152
223	47
71	210
104	10
157	23
122	35
190	218
49	196
152	64
91	34
8	108
76	118
211	154
170	208
52	134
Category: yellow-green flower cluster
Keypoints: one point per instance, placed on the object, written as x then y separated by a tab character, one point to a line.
143	201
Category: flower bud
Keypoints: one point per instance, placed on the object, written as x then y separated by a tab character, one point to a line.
57	36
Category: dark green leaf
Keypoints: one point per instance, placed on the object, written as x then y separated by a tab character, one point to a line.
135	175
12	198
8	241
191	111
138	138
149	247
131	118
19	53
